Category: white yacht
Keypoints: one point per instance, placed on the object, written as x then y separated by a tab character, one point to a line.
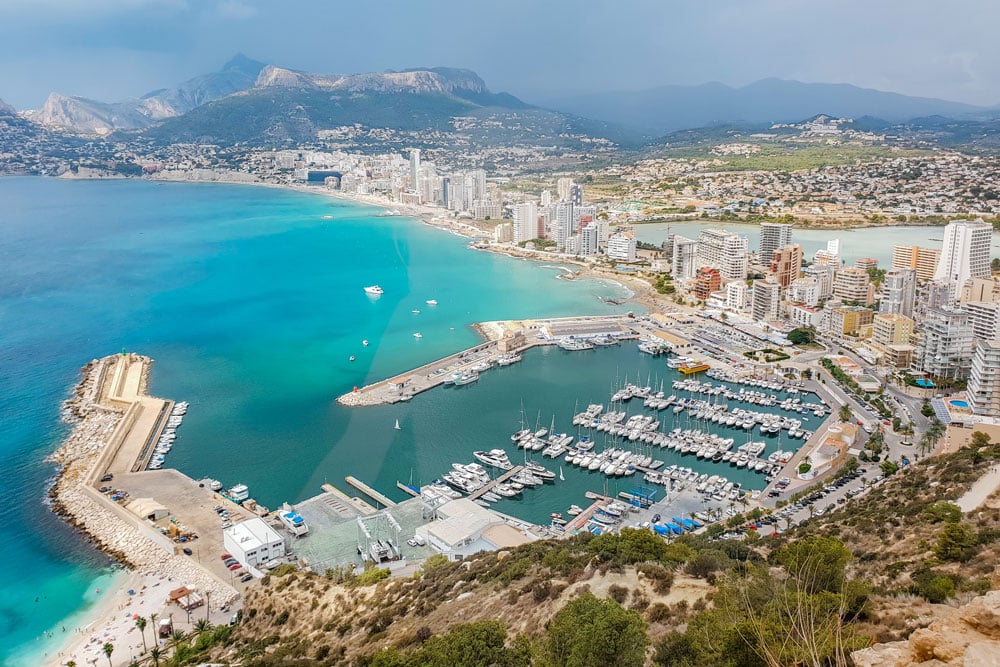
374	290
295	524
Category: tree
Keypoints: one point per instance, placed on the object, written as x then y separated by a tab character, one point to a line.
141	624
926	410
956	542
801	336
203	625
980	439
155	655
889	467
589	631
108	649
845	413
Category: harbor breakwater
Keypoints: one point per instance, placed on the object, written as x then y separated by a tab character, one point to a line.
101	417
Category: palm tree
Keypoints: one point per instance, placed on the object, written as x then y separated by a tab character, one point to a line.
155	655
141	624
203	625
109	648
175	640
71	663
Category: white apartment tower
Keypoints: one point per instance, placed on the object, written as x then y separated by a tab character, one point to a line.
899	292
565	224
984	379
965	252
773	235
684	263
945	348
621	246
766	300
414	167
525	222
546	198
589	239
563	187
736	295
726	252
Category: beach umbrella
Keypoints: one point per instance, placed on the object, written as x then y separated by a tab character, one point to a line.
131	592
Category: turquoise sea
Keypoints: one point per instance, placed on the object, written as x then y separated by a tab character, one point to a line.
250	300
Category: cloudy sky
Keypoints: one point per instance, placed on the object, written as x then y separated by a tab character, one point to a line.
111	49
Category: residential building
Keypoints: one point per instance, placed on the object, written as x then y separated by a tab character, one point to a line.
773	235
891	330
576	194
766	301
563	188
899	292
414	167
525	222
589	240
786	264
253	542
486	209
984	317
804	291
503	233
866	263
945	347
805	316
546	198
850	320
980	289
854	284
621	246
823	275
830	255
707	281
684	260
965	252
983	393
564	224
727	252
736	295
922	260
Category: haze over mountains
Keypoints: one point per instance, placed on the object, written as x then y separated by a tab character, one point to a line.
668	108
249	101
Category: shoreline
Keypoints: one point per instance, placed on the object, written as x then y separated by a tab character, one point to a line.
99	418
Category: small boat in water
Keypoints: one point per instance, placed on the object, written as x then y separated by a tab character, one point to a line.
432	302
374	290
352	358
418	335
397	425
365	342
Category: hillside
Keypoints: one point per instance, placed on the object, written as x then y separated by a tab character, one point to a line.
877	570
668	108
450	106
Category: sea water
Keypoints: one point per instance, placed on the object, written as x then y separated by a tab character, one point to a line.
251	302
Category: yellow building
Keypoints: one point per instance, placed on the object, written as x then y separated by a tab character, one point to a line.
891	330
850	319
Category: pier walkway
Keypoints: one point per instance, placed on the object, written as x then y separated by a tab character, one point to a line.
581	519
369	491
499	480
527	333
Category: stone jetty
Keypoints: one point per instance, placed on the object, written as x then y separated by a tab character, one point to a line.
98	412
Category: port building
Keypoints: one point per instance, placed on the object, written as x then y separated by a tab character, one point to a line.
253	542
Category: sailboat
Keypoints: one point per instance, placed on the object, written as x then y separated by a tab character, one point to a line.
397	425
561	478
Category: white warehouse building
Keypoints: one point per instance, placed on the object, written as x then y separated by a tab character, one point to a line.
253	542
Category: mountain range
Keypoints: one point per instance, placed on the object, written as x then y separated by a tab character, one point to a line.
668	108
82	115
252	102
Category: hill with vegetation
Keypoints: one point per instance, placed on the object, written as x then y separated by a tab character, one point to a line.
881	569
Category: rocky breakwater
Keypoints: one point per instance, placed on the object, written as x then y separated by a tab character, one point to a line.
969	636
97	516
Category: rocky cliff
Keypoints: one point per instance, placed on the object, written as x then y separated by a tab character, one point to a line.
970	637
414	81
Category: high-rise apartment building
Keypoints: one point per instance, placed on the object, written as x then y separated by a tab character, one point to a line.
829	255
983	393
805	291
823	275
899	292
786	264
684	260
854	284
984	317
945	347
564	225
414	167
576	194
589	239
766	301
736	295
707	281
773	235
621	246
525	222
922	260
563	186
965	252
727	252
891	330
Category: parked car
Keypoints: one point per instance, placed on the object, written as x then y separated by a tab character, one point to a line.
187	551
108	477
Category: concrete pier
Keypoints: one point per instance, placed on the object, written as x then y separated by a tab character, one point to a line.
368	491
353	501
478	493
512	336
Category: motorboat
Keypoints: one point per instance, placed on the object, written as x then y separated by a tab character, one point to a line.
431	302
374	290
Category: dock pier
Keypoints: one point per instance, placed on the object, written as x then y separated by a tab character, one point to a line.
581	519
369	491
499	480
357	503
